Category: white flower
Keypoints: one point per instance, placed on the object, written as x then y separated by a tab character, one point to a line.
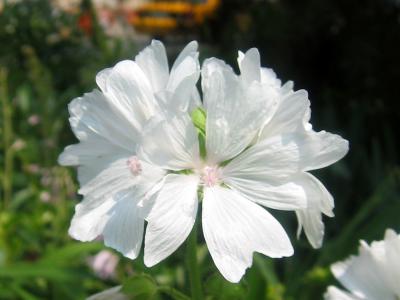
109	124
259	147
373	275
139	158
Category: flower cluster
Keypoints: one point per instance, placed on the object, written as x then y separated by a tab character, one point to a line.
374	274
151	148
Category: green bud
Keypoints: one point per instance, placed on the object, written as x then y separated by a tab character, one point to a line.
199	117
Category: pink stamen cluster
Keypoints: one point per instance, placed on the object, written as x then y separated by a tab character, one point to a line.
210	176
134	165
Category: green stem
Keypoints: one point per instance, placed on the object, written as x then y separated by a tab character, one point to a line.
7	138
173	293
191	260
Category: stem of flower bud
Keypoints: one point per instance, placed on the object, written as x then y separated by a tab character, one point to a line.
192	264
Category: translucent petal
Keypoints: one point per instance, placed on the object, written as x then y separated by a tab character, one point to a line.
333	293
154	63
362	276
288	116
96	115
249	65
171	217
170	143
319	201
234	228
235	111
124	228
129	89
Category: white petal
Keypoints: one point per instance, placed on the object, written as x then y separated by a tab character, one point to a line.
195	100
311	221
361	275
234	228
249	65
93	167
189	50
90	151
102	77
333	293
95	114
292	116
105	189
319	201
287	88
235	111
154	63
91	215
392	260
124	229
187	68
128	87
112	293
284	195
118	177
170	143
171	218
287	154
182	82
323	149
251	70
289	115
268	77
271	159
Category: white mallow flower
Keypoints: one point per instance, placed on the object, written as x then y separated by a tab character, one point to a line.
372	275
109	123
259	148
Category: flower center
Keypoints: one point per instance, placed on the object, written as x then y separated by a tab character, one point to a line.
210	176
134	165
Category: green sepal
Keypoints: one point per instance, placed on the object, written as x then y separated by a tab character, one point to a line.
202	145
199	117
183	172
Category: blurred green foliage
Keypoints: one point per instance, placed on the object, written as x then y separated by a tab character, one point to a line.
343	52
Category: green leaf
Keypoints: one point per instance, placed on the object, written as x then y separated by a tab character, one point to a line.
218	288
63	256
140	286
175	294
31	270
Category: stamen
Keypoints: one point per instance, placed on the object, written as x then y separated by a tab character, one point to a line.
134	165
210	176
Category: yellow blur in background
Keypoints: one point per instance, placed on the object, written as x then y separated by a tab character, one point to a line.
162	17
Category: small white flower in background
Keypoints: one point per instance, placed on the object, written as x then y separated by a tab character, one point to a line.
33	120
109	124
372	275
18	145
104	264
33	168
45	197
110	294
140	158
